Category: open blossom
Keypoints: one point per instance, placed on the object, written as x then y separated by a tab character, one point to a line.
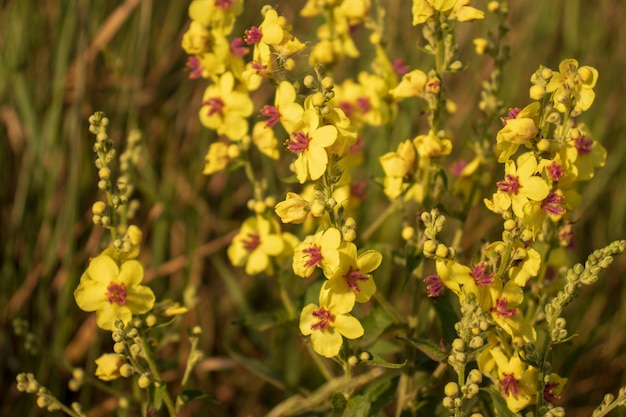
319	250
256	242
225	109
113	291
505	300
463	280
572	86
520	185
285	109
108	366
309	142
518	380
454	9
352	281
412	84
328	323
519	128
396	166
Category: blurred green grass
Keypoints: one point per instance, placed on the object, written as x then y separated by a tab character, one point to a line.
61	61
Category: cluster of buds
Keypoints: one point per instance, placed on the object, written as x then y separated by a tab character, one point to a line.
323	89
434	223
26	382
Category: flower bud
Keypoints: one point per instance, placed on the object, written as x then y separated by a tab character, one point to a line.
317	99
98	207
537	92
408	232
442	251
119	347
309	81
317	208
451	389
143	381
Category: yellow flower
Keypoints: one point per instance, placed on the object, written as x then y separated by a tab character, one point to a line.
113	291
585	153
226	109
454	9
519	128
196	38
285	108
412	85
216	158
505	300
319	250
265	140
257	240
520	185
309	142
352	282
294	209
216	13
572	86
108	366
463	280
432	146
327	323
518	380
396	166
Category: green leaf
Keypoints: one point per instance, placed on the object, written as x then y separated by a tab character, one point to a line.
427	347
358	406
338	403
499	403
376	360
375	325
381	392
448	318
190	395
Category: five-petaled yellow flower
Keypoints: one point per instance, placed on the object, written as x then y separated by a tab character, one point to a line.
327	323
113	291
257	240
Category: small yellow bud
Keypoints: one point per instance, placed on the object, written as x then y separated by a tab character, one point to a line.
127	370
104	173
526	235
349	235
364	356
537	92
442	251
289	64
317	99
259	207
448	403
352	360
480	45
270	201
233	151
408	232
317	209
458	345
98	207
546	73
543	145
475	377
119	347
451	389
151	320
143	381
509	224
309	81
375	38
430	246
493	6
327	83
350	223
134	234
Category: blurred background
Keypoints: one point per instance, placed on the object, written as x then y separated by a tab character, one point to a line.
61	61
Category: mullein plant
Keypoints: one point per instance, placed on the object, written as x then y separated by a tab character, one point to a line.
510	311
111	286
496	350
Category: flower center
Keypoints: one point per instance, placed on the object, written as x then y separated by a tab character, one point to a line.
346	107
258	66
481	276
353	277
195	67
552	204
324	319
253	241
299	142
364	104
583	145
224	4
238	48
501	309
272	114
215	104
252	36
555	171
509	385
315	255
116	293
512	115
548	392
433	285
510	185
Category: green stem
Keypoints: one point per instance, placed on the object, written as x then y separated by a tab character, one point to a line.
320	363
380	219
147	354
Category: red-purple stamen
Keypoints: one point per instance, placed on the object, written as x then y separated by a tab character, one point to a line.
252	242
510	185
481	276
194	66
215	105
357	190
364	104
555	171
346	107
116	293
399	66
224	4
583	145
509	385
353	277
501	309
434	286
512	115
252	36
457	167
238	48
315	255
548	392
324	316
258	66
272	114
552	204
298	143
